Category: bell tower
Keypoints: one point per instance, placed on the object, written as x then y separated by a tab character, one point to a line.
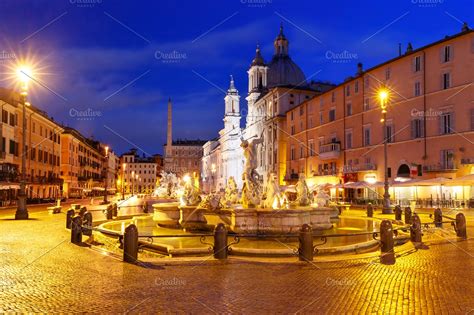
232	107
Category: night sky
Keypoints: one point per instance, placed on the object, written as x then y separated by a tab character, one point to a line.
123	59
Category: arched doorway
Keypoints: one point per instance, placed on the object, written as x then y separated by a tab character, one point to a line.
403	171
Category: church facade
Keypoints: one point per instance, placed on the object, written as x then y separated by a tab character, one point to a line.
273	89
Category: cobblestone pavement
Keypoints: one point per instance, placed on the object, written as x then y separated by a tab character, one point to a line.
41	271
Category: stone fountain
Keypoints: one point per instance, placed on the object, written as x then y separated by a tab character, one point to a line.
261	208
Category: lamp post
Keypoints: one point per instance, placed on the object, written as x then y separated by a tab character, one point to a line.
133	181
383	96
24	74
106	174
123	180
136	183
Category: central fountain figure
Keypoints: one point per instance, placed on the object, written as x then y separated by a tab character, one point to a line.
251	190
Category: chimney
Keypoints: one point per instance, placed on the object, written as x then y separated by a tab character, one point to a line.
399	49
359	68
409	48
169	134
465	27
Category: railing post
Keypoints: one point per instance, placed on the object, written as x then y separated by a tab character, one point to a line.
438	217
130	244
415	229
398	213
306	249
370	210
109	212
220	242
76	230
460	225
408	215
82	211
115	210
69	214
87	223
387	256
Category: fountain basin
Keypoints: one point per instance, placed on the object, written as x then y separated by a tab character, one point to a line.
167	214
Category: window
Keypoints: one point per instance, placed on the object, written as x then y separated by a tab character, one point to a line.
321	102
447	159
366	82
348	139
311	148
446	84
321	118
356	87
367	136
417	64
389	134
387	73
417	128
292	130
348	90
291	115
12	119
366	104
333	97
4	116
301	111
349	109
332	114
292	153
13	148
417	88
447	123
301	151
446	54
472	118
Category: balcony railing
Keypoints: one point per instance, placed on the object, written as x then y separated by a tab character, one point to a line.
449	167
327	172
466	161
44	180
330	151
359	168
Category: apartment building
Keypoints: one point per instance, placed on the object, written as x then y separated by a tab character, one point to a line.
337	137
138	173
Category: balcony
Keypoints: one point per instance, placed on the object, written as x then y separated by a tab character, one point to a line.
359	168
326	172
330	151
291	177
467	161
44	180
439	168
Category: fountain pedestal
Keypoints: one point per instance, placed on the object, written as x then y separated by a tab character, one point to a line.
192	218
167	214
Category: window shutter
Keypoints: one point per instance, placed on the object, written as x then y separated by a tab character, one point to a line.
441	55
441	158
451	52
413	64
422	127
440	125
413	128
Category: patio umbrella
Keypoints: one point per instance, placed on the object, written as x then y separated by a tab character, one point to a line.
438	181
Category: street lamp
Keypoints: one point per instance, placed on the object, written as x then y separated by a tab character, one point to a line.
24	75
383	95
106	173
133	181
123	180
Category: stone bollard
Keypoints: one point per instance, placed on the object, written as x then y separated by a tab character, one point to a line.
460	226
407	215
415	229
76	230
306	249
370	210
87	224
387	256
130	244
220	242
82	211
69	214
115	210
109	212
398	213
438	217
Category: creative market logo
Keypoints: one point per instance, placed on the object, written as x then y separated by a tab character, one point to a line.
256	3
170	57
85	3
341	57
86	114
427	3
429	114
6	56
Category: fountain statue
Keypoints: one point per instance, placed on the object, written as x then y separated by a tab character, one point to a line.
168	186
231	195
211	202
304	196
190	196
251	190
322	198
272	196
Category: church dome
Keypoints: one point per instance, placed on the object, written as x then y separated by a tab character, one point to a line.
281	69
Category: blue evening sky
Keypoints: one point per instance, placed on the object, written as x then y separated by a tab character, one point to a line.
123	59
